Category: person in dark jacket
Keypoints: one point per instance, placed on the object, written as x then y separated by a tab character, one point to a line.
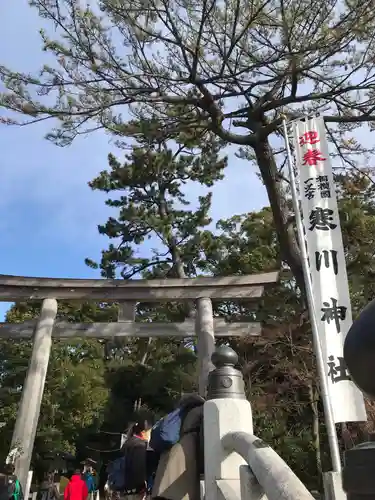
10	487
48	489
135	452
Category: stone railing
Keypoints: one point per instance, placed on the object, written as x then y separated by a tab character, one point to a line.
266	473
237	463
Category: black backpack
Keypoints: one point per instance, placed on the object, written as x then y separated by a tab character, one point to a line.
135	464
7	486
117	474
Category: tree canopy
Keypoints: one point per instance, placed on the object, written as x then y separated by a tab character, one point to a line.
149	191
233	69
74	396
87	391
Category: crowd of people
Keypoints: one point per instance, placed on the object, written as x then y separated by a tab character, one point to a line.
162	462
77	485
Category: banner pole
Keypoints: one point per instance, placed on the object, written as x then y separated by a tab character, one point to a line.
328	413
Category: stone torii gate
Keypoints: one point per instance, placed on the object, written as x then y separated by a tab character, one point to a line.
127	294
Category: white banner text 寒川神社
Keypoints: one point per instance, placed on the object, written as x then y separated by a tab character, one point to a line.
327	263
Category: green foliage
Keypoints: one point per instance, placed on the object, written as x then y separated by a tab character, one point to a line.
86	312
148	190
74	398
156	385
91	386
357	208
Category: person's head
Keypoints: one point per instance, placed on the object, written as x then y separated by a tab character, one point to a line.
48	476
88	465
77	472
69	473
9	469
137	428
190	399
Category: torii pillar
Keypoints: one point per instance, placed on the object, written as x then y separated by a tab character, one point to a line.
204	326
32	392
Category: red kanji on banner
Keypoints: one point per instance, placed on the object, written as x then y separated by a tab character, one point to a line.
312	156
310	137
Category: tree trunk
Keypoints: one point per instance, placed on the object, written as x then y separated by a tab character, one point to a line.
178	266
279	205
178	269
171	240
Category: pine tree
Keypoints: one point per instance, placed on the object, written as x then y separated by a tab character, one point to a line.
149	191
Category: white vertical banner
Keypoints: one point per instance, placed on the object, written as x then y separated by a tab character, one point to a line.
327	263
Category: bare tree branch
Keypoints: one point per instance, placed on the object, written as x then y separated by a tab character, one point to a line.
230	68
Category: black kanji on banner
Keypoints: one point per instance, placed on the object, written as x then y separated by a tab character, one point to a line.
320	184
328	258
337	370
323	186
333	313
321	219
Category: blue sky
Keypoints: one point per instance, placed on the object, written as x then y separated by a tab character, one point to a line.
49	215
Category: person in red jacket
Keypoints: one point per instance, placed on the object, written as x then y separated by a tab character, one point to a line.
76	488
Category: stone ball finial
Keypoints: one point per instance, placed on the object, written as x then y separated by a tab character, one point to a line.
226	380
224	356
